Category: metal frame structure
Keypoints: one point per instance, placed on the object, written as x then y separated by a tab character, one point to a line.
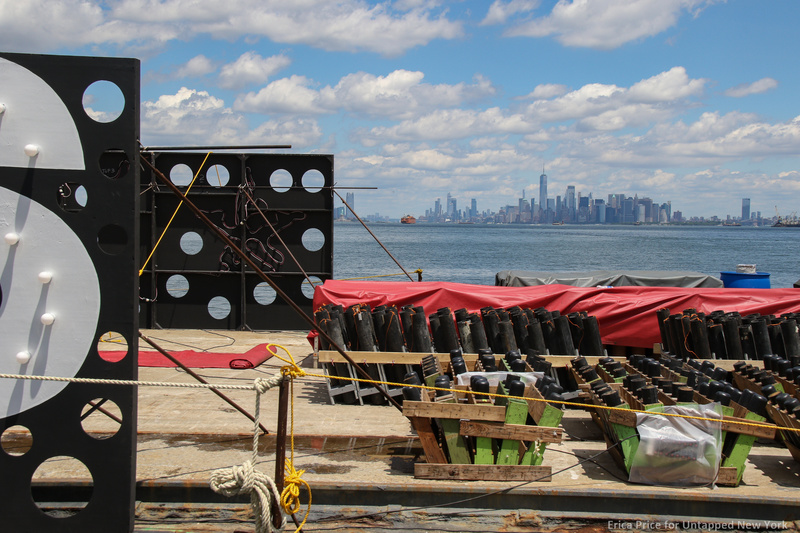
105	225
194	280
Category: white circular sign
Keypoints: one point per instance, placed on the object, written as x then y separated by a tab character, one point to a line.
58	347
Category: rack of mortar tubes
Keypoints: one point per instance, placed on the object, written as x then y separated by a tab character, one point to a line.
645	384
777	384
468	435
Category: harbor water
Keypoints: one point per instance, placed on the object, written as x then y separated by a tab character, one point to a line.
474	253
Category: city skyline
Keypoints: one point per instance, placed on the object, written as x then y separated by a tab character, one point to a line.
567	208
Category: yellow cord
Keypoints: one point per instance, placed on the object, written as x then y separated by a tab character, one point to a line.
173	215
290	495
559	402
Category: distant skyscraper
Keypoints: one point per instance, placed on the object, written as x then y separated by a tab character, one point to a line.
474	209
745	208
351	201
543	190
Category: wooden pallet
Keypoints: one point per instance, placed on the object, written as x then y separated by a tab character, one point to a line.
469	437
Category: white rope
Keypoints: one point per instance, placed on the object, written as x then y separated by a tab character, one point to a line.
99	381
244	478
241	479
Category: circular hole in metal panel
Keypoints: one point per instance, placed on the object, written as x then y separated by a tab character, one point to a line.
103	101
112	239
308	288
72	197
114	164
177	285
181	175
219	307
64	467
16	440
264	294
191	243
313	180
281	180
217	176
313	239
112	347
101	418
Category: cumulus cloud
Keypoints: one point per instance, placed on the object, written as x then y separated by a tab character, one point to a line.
500	11
545	91
399	94
192	117
340	25
251	69
757	87
606	24
194	68
594	107
712	139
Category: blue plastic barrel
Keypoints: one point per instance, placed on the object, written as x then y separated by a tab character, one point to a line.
738	280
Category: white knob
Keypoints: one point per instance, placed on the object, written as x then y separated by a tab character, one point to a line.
2	108
12	238
45	277
23	357
31	150
48	318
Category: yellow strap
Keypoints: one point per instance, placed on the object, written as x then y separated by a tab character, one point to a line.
173	216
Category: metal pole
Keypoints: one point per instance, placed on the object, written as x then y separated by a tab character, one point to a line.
201	380
280	440
224	238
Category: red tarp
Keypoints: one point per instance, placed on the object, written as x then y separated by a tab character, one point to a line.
627	315
249	359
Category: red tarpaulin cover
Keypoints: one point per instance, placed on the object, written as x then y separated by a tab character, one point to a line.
627	315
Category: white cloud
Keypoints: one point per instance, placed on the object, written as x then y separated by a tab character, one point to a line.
251	69
343	25
545	91
606	24
399	94
190	117
500	11
286	95
194	68
40	25
673	84
757	87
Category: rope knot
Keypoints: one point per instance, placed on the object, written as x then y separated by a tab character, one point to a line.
245	479
290	497
262	385
292	371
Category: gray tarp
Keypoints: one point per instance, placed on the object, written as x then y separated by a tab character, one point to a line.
613	278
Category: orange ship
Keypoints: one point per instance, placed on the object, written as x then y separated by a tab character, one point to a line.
408	219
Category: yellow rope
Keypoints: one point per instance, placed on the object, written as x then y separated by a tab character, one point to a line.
290	496
173	215
559	402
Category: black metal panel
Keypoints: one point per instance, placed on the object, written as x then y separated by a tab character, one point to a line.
273	207
107	226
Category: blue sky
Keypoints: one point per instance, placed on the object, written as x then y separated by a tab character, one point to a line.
692	101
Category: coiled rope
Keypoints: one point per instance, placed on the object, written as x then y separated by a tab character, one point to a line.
245	479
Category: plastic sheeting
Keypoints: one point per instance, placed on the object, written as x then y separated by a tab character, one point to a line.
678	451
627	315
613	278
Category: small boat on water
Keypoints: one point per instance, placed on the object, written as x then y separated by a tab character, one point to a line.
408	219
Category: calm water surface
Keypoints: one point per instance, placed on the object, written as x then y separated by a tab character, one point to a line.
467	253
